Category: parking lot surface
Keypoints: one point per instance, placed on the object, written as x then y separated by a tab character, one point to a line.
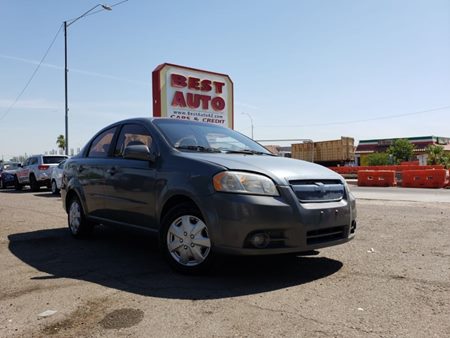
393	280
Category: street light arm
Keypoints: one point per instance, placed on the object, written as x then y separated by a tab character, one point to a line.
251	120
249	116
87	12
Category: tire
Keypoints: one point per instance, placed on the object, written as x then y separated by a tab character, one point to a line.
34	185
54	188
185	241
79	226
2	186
17	185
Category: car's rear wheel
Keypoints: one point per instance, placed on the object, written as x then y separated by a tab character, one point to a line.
79	226
185	240
54	188
34	185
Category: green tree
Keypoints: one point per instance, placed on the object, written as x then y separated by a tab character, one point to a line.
61	142
401	150
378	159
437	155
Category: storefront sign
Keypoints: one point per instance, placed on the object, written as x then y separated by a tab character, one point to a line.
192	94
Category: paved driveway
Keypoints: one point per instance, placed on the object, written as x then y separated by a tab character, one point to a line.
392	280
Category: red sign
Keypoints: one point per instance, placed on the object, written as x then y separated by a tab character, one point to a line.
192	94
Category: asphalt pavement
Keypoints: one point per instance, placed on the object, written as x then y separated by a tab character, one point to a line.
401	194
392	280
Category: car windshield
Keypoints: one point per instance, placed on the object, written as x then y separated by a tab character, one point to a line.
193	136
53	159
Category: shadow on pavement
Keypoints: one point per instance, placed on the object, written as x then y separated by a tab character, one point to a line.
14	191
131	262
47	194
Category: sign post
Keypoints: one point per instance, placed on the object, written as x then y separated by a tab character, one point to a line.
192	94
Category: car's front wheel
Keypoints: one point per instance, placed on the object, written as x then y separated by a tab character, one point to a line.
54	188
185	240
17	185
79	226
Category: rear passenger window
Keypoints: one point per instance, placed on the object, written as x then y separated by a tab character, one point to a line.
100	145
53	159
132	134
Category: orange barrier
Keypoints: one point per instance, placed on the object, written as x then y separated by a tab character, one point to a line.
410	163
376	178
397	168
435	178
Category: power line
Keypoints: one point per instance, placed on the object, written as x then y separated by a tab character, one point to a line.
40	63
362	120
32	75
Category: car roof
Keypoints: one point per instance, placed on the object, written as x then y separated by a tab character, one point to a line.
46	155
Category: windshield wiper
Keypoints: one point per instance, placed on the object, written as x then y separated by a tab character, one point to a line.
199	148
246	151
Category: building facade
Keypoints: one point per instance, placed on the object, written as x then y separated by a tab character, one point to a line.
367	147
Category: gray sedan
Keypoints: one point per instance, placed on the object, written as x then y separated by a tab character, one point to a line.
204	190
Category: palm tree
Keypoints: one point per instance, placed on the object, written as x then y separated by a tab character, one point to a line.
436	154
61	142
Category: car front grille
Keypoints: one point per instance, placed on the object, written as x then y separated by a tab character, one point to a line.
318	190
326	235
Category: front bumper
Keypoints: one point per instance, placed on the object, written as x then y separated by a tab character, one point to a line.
8	179
291	226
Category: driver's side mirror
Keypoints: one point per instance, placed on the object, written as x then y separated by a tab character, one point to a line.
138	152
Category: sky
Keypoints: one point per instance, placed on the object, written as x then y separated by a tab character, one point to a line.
301	69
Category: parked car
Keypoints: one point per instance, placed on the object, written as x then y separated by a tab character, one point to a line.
56	177
205	190
8	174
36	171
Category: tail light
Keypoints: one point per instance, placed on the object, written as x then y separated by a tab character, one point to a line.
43	167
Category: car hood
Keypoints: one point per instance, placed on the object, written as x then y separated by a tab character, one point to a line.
9	171
280	169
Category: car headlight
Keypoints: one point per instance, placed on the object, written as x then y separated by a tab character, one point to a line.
244	183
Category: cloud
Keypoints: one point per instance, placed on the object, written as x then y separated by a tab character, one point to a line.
32	104
73	70
245	105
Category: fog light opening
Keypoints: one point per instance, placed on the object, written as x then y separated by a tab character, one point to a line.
353	227
260	240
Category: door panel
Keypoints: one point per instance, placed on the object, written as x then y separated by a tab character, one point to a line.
129	186
92	173
129	192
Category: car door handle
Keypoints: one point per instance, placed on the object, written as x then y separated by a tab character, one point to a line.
111	171
81	168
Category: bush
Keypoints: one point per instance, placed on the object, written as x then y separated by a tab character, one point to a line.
378	159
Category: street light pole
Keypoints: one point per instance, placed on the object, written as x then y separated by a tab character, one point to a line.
66	71
66	138
251	121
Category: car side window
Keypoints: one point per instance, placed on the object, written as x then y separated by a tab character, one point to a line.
132	134
100	145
